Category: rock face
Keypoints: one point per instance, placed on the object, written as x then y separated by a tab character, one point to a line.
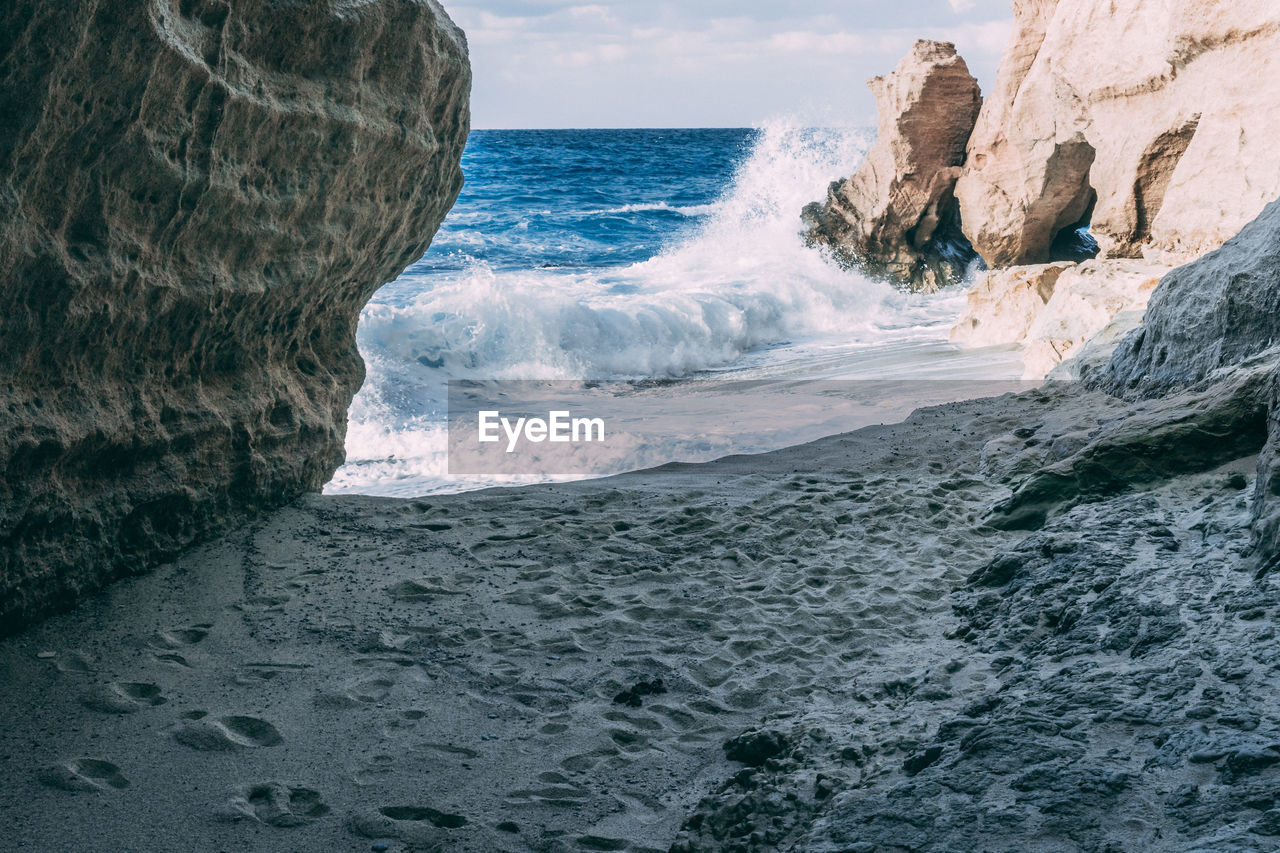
1003	304
896	216
1086	300
1217	312
1052	310
1152	121
1209	317
196	199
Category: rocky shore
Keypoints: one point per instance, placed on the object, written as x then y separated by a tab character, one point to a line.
1042	622
1121	140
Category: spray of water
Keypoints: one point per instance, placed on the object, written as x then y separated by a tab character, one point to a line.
740	281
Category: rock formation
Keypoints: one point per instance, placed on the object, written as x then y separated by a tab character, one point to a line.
196	199
1003	304
1219	311
1052	310
1209	320
896	215
1153	122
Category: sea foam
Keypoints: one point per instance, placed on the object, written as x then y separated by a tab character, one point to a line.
737	286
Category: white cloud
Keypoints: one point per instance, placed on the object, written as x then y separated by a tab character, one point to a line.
581	63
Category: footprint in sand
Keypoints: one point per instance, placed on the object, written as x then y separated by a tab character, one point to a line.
367	692
225	733
427	589
68	661
84	774
176	638
598	842
165	644
124	697
275	804
415	825
444	820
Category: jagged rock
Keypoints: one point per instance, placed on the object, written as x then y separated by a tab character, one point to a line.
1219	311
1164	112
196	200
896	215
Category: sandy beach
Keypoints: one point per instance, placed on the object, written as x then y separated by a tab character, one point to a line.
444	671
552	667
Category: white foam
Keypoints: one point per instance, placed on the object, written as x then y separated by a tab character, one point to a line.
743	280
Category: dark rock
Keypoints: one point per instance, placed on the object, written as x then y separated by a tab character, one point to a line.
754	748
196	200
915	763
998	572
1194	430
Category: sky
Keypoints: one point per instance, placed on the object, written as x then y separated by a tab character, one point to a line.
705	63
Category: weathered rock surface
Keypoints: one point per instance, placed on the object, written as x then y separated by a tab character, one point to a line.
1155	121
1087	299
196	200
1207	317
1132	655
1003	304
896	216
1052	310
1219	311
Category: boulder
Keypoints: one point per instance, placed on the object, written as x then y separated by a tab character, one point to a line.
196	199
896	215
1151	122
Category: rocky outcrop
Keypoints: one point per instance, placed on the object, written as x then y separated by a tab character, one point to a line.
1217	312
1053	310
1207	321
896	216
196	199
1151	122
1002	304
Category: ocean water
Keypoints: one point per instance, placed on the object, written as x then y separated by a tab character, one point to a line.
638	255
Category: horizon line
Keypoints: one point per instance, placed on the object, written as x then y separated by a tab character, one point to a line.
671	127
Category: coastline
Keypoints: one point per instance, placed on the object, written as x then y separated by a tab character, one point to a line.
441	673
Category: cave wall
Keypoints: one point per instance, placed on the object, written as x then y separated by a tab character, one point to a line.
197	197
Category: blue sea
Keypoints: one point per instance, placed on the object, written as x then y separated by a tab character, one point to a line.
635	255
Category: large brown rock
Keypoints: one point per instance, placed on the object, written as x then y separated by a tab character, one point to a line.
1155	122
196	199
896	216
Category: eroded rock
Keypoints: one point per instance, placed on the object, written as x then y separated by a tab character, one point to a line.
1004	303
1151	121
1058	311
1092	299
196	200
896	216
